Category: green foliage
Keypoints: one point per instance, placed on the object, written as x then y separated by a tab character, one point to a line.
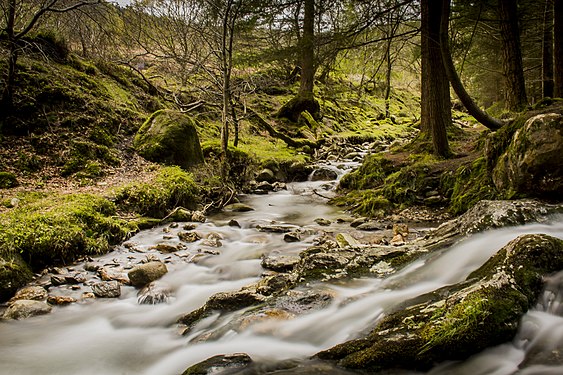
372	173
53	228
170	188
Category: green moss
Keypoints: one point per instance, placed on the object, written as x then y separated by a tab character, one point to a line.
372	173
86	156
365	202
171	187
14	273
471	184
8	180
47	229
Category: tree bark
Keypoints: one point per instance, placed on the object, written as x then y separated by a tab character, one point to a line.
7	101
558	48
305	100
454	79
547	51
515	86
435	101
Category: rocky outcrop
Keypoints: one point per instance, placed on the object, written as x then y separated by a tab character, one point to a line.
220	364
169	137
457	321
533	162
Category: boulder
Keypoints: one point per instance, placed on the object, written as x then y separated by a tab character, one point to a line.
324	174
31	293
460	320
346	240
220	364
23	309
153	294
280	263
533	162
169	137
266	175
106	289
146	273
14	274
238	207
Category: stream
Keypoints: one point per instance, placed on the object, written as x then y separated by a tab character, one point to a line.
121	336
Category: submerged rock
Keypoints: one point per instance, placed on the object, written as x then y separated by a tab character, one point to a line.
22	309
145	273
153	294
238	207
457	321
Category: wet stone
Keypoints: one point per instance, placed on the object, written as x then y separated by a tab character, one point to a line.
58	280
166	248
92	266
106	289
35	293
234	223
220	364
238	207
280	263
276	228
146	273
60	300
359	221
370	226
323	222
292	237
23	309
189	236
153	294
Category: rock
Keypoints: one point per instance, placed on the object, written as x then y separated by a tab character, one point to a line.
219	364
106	289
346	240
402	229
276	228
77	278
180	214
166	247
292	237
280	263
189	236
92	266
22	309
30	293
266	175
323	222
359	221
370	226
233	223
533	162
169	137
264	186
60	300
153	294
199	217
324	174
57	280
238	207
457	321
146	273
211	242
298	302
398	240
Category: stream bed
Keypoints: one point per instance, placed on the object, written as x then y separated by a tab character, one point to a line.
121	336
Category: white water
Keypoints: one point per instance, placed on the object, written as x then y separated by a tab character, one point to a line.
123	337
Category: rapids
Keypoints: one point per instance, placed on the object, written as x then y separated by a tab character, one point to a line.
119	336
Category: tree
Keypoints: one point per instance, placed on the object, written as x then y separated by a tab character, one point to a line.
305	100
515	85
435	96
558	48
20	17
547	50
454	79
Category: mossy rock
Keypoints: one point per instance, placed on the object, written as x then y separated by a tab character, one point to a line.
8	180
169	137
455	322
14	274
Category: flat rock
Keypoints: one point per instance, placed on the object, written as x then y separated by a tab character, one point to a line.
106	289
31	293
22	309
280	263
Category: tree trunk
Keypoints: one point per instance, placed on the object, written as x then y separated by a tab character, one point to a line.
388	77
7	101
547	50
515	86
435	101
558	48
454	79
305	100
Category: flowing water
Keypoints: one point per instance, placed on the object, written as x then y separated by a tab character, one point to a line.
119	336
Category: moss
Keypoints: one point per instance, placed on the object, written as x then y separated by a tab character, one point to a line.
86	156
169	137
8	180
170	188
365	202
14	273
46	229
372	173
471	183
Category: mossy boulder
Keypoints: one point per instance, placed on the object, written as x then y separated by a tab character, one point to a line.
533	163
14	273
169	137
457	321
